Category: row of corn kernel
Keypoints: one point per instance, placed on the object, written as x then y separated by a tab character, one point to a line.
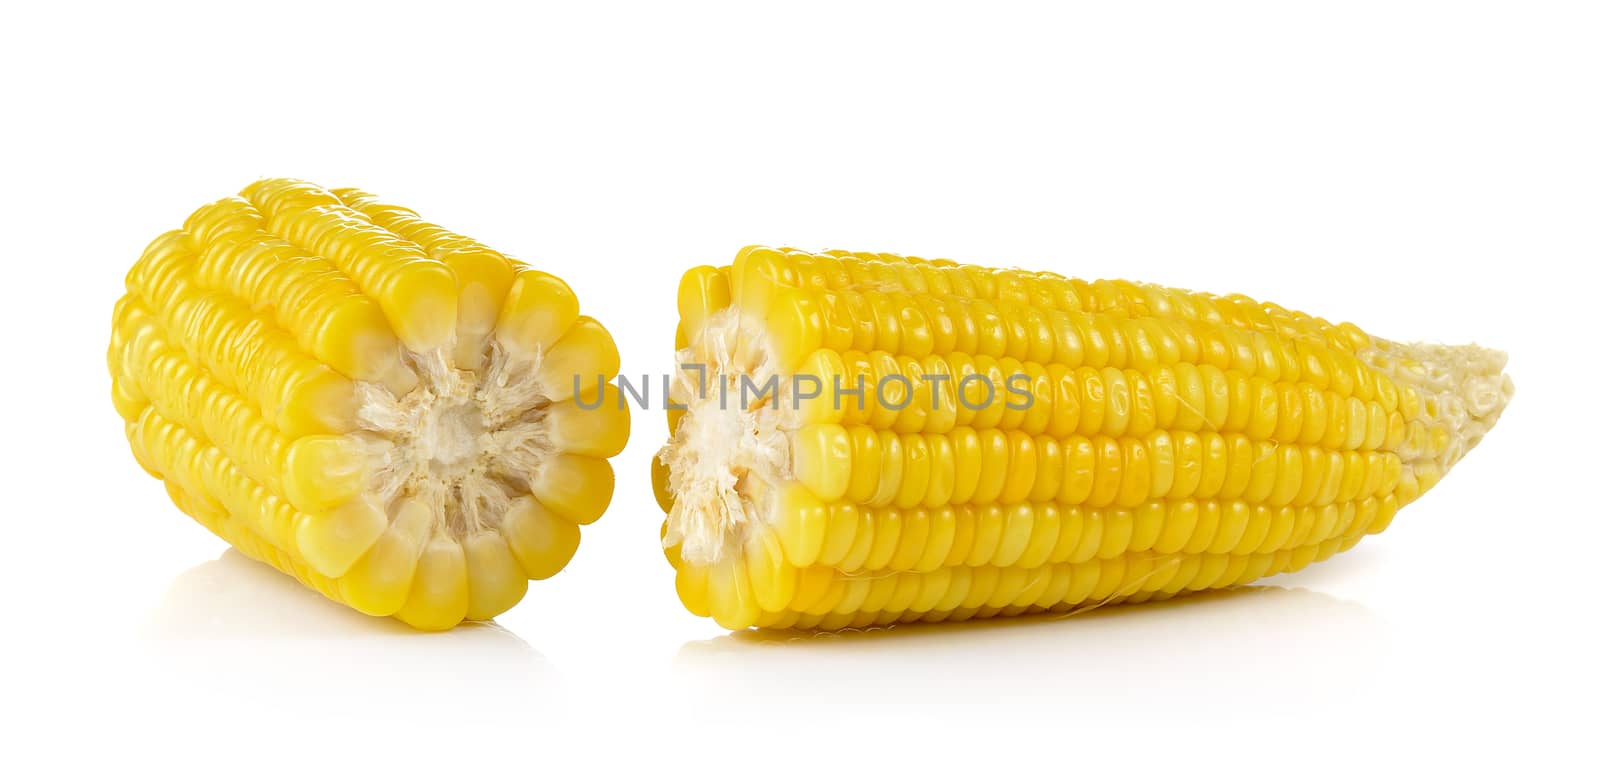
882	468
1149	343
128	320
306	294
483	276
839	271
938	392
818	595
405	222
228	216
211	479
917	326
418	294
251	544
852	539
1211	393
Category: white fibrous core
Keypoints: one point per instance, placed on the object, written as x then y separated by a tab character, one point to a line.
1462	391
462	443
730	449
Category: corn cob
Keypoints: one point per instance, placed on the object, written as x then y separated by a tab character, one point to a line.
949	442
374	405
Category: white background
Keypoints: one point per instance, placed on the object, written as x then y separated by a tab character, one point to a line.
1427	170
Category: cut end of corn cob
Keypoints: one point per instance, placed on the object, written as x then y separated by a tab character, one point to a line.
409	422
727	463
868	439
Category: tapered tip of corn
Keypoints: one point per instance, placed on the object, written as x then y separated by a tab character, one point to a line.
1451	396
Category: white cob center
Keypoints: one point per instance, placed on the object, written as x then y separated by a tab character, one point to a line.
726	458
463	444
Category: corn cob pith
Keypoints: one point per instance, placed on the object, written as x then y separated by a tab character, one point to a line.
374	405
948	442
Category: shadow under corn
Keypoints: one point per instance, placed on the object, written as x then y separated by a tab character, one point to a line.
1253	642
233	629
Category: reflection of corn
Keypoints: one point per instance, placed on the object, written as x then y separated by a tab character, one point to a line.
366	401
1077	442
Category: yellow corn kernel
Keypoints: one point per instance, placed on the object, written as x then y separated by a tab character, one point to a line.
1170	441
380	581
367	402
439	596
